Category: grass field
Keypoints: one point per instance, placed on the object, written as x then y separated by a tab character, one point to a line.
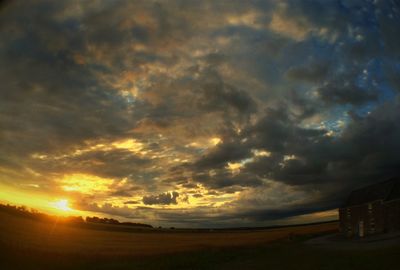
31	244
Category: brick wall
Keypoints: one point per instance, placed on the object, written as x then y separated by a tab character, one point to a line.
372	215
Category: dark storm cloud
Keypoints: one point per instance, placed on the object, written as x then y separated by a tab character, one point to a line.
311	73
162	199
279	214
211	97
218	157
345	93
334	15
219	95
278	131
392	73
224	179
387	15
364	153
278	134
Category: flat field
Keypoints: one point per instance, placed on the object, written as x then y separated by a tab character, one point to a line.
32	244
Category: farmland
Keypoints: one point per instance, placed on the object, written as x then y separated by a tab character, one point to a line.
33	244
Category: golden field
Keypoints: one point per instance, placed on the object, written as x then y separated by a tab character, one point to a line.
64	238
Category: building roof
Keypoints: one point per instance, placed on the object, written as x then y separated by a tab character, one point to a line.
386	191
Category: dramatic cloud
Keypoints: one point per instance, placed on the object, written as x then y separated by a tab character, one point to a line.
250	112
163	198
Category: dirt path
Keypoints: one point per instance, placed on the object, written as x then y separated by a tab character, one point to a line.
337	241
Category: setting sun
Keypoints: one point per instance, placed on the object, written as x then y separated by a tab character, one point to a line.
61	205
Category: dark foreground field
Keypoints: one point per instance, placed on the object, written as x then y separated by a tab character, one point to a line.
30	244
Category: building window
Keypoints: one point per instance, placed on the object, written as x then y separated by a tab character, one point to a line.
348	213
370	208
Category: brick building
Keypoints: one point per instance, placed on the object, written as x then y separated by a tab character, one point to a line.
372	209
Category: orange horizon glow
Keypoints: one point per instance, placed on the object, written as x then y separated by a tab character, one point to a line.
60	206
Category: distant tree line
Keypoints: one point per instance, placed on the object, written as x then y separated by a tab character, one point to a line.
23	211
115	222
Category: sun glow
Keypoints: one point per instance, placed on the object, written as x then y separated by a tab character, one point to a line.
62	205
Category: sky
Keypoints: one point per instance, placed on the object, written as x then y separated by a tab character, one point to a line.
198	113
